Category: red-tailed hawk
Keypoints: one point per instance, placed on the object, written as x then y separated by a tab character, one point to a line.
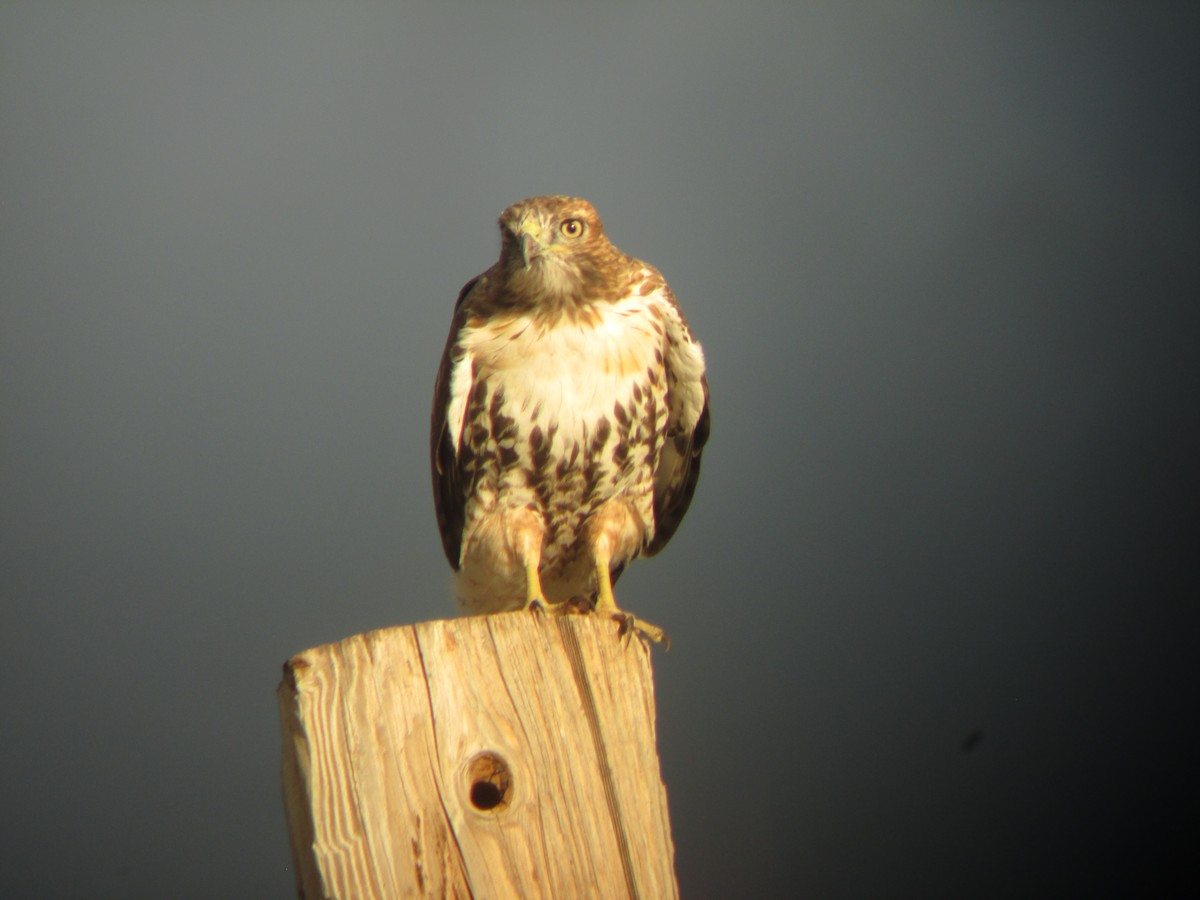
569	415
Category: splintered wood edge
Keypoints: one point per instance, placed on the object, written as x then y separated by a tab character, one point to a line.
296	780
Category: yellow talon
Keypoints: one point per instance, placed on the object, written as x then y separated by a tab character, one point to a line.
533	584
606	605
535	599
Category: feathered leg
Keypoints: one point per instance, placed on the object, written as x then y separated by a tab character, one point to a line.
616	522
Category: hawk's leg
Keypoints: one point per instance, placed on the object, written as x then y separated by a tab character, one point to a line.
535	597
606	603
528	532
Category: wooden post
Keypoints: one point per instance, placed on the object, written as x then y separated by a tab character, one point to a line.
510	755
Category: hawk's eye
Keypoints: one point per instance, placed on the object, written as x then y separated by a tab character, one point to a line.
571	228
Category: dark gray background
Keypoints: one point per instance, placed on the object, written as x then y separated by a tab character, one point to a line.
943	260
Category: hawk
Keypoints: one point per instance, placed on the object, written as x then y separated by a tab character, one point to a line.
569	415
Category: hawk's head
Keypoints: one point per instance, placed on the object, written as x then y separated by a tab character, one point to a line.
554	251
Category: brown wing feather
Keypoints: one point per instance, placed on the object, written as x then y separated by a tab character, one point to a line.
449	493
670	505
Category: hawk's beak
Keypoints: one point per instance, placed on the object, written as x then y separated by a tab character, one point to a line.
530	249
529	235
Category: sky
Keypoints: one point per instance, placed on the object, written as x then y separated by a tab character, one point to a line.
933	609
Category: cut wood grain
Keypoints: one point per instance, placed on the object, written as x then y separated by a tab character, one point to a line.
511	755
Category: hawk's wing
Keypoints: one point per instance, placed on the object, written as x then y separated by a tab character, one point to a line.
450	393
687	426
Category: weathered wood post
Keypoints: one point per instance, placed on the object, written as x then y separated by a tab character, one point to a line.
497	756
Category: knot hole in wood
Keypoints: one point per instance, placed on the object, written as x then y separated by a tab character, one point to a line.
490	782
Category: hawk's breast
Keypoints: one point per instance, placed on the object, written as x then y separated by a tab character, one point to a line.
565	413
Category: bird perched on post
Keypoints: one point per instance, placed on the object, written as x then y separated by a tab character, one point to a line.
569	415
